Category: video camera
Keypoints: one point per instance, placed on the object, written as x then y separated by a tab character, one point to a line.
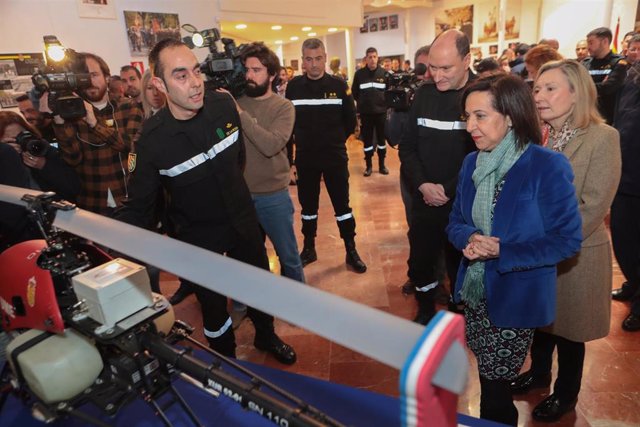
66	73
31	144
224	69
401	88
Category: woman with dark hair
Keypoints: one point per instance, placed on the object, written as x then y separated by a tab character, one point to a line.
514	218
47	171
566	98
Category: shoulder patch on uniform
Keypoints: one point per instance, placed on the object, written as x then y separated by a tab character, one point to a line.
131	162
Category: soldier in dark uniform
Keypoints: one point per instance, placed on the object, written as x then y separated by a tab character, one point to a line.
194	149
325	117
432	149
607	70
368	91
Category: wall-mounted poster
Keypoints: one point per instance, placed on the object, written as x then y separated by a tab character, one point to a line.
513	17
493	50
460	18
488	14
384	25
373	25
365	24
393	22
104	9
295	64
16	70
145	29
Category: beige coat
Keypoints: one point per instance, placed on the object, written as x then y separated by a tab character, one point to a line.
584	281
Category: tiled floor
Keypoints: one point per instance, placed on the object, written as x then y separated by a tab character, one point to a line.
610	393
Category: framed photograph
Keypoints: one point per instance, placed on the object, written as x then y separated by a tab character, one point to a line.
393	22
373	25
365	25
384	25
145	29
493	49
460	18
16	70
295	64
102	9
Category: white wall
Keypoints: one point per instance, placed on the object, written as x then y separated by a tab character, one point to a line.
24	22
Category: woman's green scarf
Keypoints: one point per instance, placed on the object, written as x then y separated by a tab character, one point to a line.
491	167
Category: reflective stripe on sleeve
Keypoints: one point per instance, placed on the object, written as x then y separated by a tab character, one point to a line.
427	287
368	148
382	147
309	217
438	124
317	102
198	159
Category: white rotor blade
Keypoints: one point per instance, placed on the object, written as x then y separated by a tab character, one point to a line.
379	335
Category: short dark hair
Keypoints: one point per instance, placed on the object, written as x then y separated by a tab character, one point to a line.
601	33
630	33
129	68
115	78
23	97
522	48
635	38
487	64
462	44
101	63
424	50
266	56
154	55
371	50
512	97
312	43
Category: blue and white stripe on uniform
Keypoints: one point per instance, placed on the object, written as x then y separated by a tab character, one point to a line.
441	125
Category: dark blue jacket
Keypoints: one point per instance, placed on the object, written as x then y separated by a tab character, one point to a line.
537	220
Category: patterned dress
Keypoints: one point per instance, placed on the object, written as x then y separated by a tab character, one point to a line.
500	351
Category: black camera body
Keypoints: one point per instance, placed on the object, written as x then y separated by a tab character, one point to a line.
401	88
29	143
225	69
61	80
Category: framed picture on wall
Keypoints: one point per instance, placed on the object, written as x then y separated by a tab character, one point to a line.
365	25
373	25
102	9
145	29
393	22
384	25
139	65
294	64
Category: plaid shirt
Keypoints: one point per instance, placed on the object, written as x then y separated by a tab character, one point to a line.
99	155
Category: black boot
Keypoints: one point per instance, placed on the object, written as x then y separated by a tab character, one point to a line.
381	167
183	291
369	167
426	306
496	403
308	254
352	258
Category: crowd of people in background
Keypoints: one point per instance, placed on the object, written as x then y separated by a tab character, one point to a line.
509	167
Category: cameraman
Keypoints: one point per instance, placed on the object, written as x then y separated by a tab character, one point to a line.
267	123
41	121
97	145
46	170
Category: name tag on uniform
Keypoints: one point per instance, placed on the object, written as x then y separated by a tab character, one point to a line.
441	125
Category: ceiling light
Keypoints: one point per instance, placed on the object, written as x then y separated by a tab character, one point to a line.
276	27
312	34
241	26
294	38
332	29
306	28
278	41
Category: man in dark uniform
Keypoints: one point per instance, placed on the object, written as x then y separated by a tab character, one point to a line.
432	149
325	117
368	91
607	70
194	149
